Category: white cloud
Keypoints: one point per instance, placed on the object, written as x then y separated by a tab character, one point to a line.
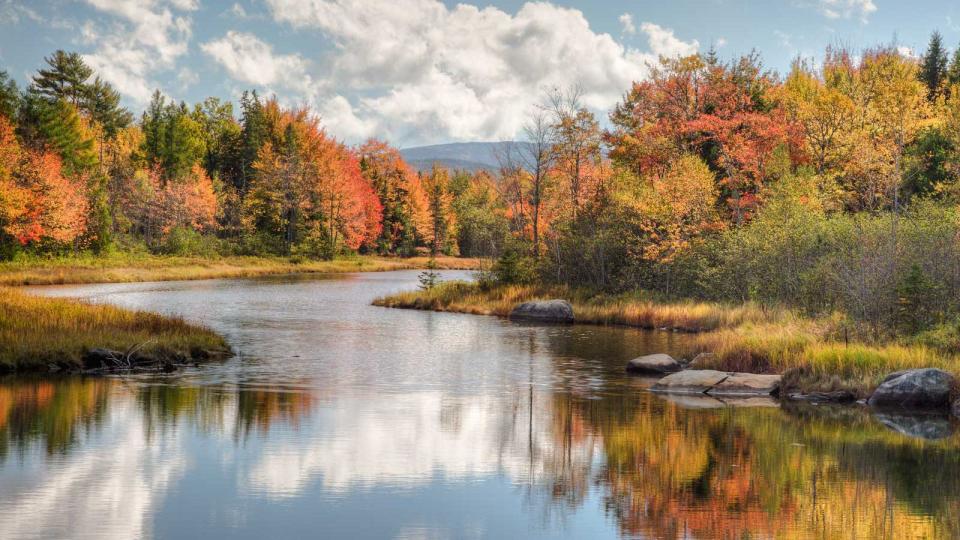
664	43
249	59
907	52
847	9
626	24
238	11
145	37
430	73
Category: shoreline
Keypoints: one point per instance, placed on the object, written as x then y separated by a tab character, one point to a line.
746	338
79	271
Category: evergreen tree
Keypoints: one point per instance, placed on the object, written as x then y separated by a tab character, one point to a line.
102	102
933	71
64	132
9	96
953	72
152	124
65	78
253	135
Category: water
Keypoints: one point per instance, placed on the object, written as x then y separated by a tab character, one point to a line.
344	420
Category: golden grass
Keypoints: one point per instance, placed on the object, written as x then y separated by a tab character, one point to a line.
741	338
37	331
629	310
131	268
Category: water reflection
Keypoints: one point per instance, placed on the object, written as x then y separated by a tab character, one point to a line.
440	425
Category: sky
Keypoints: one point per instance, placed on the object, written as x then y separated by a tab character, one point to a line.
418	72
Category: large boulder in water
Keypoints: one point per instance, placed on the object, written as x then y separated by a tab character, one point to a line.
654	364
558	311
914	389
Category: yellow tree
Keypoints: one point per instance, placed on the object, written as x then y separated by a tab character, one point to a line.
677	207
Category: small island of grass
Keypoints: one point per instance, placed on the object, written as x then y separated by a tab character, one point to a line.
49	334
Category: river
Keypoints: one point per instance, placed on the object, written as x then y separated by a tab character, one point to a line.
339	419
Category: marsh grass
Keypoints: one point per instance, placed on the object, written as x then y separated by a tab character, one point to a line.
746	337
122	268
36	332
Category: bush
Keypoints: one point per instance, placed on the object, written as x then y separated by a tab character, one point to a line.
184	241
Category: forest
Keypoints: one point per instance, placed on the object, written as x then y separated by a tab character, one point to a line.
832	190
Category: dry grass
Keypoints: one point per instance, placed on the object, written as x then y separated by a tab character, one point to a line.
629	310
741	338
36	332
132	268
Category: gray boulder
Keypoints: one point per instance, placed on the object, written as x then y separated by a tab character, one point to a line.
914	389
654	364
558	311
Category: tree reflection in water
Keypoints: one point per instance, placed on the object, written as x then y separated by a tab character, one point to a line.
659	469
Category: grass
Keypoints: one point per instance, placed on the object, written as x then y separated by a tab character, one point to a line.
139	267
36	332
629	310
739	337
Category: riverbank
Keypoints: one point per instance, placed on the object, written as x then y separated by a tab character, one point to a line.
137	268
811	354
48	334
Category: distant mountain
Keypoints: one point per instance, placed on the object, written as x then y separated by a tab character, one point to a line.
473	156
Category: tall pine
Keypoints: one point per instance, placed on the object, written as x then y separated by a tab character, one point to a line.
933	70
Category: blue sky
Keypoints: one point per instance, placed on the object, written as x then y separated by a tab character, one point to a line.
426	71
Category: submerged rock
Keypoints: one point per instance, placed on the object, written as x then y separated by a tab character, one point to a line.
696	381
839	396
559	311
654	364
746	384
930	427
927	388
103	359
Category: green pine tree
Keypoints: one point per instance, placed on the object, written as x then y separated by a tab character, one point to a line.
65	78
62	129
9	96
933	70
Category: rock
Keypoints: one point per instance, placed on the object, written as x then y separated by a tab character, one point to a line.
544	310
655	364
914	388
706	401
746	384
101	358
929	427
690	382
702	361
839	396
955	408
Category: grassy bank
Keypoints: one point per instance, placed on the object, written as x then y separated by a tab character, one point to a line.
139	267
811	353
36	332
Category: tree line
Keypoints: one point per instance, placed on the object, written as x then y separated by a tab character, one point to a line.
78	173
832	188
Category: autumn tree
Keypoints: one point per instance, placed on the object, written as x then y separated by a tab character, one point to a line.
402	197
439	204
576	140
